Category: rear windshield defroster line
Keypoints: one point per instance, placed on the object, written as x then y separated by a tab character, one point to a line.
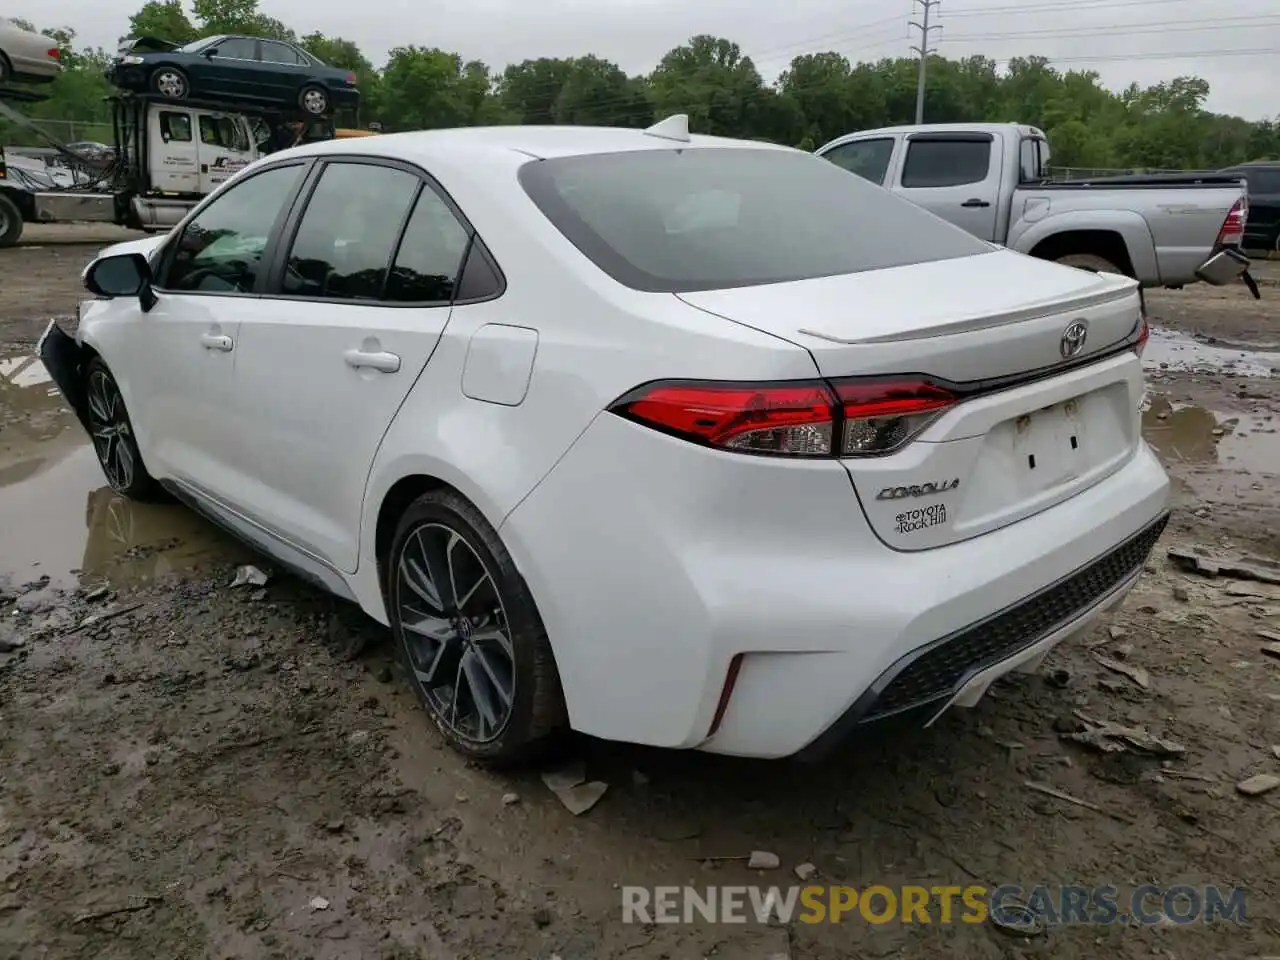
680	220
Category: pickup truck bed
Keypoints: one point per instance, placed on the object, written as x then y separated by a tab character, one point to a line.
1161	229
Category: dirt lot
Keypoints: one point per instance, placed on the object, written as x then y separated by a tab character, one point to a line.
189	770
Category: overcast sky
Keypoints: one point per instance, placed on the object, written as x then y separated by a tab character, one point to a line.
1131	39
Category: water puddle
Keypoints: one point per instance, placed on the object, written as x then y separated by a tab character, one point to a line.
57	515
1167	350
1184	433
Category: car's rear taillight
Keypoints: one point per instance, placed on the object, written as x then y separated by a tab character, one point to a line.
786	418
880	416
54	53
351	79
1232	232
849	418
1144	334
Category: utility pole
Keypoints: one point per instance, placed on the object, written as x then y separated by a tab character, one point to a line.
924	51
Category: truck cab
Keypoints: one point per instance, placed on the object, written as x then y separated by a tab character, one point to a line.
192	150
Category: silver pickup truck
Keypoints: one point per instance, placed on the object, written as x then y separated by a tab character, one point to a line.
1164	230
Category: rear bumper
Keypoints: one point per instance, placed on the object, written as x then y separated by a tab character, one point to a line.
958	669
1225	266
656	564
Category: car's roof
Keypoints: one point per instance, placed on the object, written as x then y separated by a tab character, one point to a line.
518	144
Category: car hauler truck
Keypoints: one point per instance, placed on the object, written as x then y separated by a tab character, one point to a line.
168	155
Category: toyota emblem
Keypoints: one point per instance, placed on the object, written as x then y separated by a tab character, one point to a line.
1073	339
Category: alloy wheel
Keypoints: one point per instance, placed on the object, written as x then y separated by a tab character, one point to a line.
314	101
4	221
454	627
170	84
111	433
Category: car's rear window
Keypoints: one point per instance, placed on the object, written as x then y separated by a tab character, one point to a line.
705	219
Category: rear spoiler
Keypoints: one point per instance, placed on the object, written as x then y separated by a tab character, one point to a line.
146	44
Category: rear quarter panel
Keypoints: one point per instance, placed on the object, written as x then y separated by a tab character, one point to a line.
596	341
1169	231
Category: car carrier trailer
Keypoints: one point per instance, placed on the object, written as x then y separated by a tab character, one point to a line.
168	155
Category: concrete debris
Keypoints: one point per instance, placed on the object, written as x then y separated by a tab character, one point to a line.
763	860
1111	737
1194	562
572	789
319	903
1135	673
1257	786
805	870
249	576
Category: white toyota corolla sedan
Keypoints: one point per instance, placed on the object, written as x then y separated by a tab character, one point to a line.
683	441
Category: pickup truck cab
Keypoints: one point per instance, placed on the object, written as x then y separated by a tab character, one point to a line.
989	178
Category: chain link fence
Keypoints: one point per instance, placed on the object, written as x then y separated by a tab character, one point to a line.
64	131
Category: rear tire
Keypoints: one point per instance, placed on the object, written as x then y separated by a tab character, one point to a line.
170	83
475	650
113	438
6	69
314	100
10	222
1091	262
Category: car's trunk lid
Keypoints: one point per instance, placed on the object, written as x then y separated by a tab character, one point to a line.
1038	420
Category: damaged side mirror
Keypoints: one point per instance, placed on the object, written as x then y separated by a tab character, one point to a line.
124	275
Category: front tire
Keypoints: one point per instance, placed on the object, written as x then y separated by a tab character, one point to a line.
113	438
468	633
170	83
314	100
10	222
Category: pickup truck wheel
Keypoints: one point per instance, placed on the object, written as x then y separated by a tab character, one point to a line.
1091	262
314	100
10	222
6	69
171	83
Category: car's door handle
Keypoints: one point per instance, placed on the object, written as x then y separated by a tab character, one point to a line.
382	362
213	341
975	202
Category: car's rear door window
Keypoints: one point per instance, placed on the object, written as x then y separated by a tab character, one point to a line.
348	233
273	52
707	218
430	255
946	163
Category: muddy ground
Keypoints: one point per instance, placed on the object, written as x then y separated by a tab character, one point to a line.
189	770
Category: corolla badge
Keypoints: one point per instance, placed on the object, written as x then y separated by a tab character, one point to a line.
1073	339
918	490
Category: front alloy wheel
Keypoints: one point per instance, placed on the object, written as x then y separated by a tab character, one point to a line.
112	435
468	633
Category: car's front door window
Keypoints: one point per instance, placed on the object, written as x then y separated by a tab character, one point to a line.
236	48
221	250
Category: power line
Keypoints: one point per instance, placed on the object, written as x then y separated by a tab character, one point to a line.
924	52
1058	5
1170	26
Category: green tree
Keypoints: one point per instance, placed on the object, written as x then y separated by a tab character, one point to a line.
709	79
165	19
